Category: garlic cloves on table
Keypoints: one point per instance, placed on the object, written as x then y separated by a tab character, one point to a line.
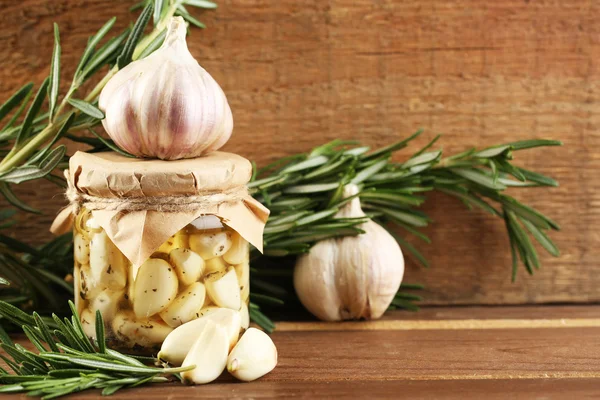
253	356
177	345
352	277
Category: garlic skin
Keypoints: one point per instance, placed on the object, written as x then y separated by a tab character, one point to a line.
352	277
166	105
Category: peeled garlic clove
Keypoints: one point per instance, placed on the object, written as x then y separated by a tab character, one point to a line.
177	345
208	354
89	288
82	249
107	302
238	253
177	241
141	331
206	310
186	306
244	316
154	288
210	245
79	297
242	271
166	105
207	222
215	265
88	322
107	263
92	224
223	289
245	292
255	355
188	265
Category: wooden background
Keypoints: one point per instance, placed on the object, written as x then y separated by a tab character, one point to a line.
298	73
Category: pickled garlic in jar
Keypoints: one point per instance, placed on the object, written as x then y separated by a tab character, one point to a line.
201	268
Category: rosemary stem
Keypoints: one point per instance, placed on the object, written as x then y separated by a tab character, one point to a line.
91	97
28	149
155	32
64	102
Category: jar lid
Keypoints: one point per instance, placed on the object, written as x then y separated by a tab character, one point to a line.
140	203
109	174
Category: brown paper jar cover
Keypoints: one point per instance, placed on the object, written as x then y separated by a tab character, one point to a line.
215	183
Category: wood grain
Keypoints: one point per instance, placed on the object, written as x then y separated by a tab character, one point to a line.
529	362
300	73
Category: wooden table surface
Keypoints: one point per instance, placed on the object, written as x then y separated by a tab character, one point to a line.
439	353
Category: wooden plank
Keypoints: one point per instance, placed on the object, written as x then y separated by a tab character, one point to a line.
554	312
467	389
523	363
299	73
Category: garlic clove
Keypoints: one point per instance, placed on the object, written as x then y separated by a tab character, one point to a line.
107	302
210	245
188	265
166	105
223	289
206	310
107	263
208	354
154	288
244	316
141	331
88	322
245	292
177	345
89	288
215	265
79	296
238	252
82	249
177	241
242	271
92	224
255	355
186	306
207	222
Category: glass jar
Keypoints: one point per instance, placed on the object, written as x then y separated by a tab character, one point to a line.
202	267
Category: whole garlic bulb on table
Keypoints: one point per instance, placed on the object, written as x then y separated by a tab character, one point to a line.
352	277
166	105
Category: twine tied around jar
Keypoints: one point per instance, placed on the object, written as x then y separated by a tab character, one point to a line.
179	203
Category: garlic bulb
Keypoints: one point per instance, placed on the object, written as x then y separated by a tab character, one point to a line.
166	105
352	277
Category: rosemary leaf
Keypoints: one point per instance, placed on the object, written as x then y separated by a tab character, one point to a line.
54	83
135	36
14	100
34	109
87	108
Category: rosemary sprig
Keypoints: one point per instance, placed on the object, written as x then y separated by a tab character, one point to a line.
304	193
66	361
